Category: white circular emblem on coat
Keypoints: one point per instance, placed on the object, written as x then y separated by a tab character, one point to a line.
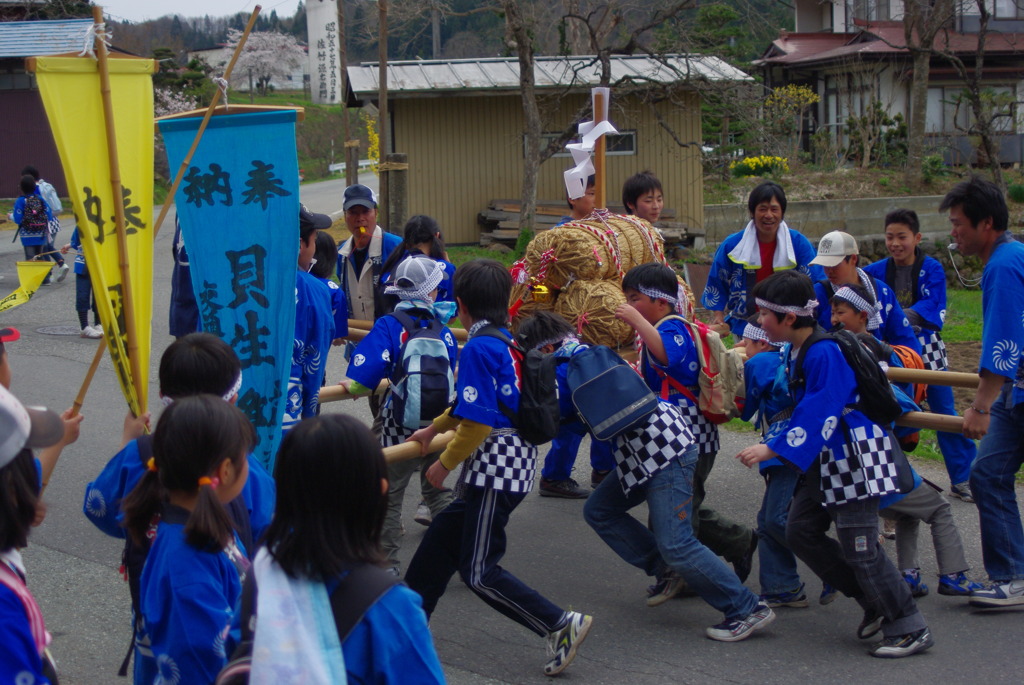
796	436
469	393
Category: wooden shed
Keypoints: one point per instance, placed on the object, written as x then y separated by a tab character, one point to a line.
461	124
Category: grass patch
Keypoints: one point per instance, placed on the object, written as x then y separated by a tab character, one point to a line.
963	316
740	426
462	254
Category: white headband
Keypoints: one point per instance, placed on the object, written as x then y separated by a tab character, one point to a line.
656	294
806	310
848	294
752	332
235	387
562	340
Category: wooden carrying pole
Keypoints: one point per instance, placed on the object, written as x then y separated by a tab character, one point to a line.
206	120
600	200
937	422
461	334
951	378
80	399
411	450
336	393
127	301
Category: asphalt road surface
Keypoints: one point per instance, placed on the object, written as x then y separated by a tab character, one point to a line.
73	568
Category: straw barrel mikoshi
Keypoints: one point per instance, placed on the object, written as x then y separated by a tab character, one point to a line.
589	306
529	305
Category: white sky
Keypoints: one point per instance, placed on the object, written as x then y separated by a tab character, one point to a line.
141	10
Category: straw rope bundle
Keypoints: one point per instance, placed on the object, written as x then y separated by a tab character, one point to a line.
589	306
529	305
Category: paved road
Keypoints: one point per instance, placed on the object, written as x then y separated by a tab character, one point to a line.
73	567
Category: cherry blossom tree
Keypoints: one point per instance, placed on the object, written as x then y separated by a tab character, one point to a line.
267	54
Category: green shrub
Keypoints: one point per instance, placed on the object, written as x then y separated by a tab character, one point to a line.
1016	192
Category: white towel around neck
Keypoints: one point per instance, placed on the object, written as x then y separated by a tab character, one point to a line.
748	253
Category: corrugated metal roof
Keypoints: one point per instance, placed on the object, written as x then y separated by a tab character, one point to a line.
499	73
32	38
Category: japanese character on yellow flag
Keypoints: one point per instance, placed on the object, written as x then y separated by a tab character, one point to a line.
70	89
30	277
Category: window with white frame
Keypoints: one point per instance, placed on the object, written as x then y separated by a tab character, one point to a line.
1008	9
875	10
949	111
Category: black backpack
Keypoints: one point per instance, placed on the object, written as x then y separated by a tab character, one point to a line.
877	400
33	220
423	385
539	418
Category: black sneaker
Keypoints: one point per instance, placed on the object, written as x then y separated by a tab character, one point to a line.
568	489
597	476
899	646
745	564
869	625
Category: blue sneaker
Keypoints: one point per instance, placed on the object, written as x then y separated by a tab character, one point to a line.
828	594
958	585
794	598
913	578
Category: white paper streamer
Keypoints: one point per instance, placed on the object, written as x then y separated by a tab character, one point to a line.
583	165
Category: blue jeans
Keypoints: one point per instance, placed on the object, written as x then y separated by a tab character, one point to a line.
560	458
957	451
84	300
1000	456
469	537
671	541
778	572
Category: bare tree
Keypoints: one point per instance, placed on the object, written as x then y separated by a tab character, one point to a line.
923	20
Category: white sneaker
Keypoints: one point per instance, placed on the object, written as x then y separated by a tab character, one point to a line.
563	643
62	272
90	332
423	515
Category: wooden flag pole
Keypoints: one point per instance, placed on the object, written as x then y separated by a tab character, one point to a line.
600	200
206	120
127	303
77	406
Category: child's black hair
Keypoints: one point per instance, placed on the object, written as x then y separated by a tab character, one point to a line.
543	326
326	255
908	217
28	185
305	231
31	171
484	286
193	437
651	275
419	229
978	199
764	193
591	182
789	289
636	186
860	290
19	496
330	505
198	363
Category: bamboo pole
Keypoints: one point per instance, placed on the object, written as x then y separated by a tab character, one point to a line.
461	334
80	399
127	300
600	198
951	378
411	450
336	393
937	422
206	120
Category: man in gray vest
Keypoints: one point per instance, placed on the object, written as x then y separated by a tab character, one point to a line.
361	256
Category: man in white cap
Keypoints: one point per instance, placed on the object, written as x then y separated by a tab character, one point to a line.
838	255
361	256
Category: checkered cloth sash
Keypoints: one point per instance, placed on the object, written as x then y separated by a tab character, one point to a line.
843	481
503	462
933	350
704	432
643	451
391	431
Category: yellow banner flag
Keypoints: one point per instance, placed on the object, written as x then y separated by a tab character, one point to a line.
70	88
30	276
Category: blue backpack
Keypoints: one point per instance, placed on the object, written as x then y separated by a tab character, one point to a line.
423	385
608	394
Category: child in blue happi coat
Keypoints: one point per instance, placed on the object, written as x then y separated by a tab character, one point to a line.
657	463
422	236
325	536
314	327
852	307
378	356
919	283
84	297
769	404
323	269
825	432
193	575
23	636
498	469
193	364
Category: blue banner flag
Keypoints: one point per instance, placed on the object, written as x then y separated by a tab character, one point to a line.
238	205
